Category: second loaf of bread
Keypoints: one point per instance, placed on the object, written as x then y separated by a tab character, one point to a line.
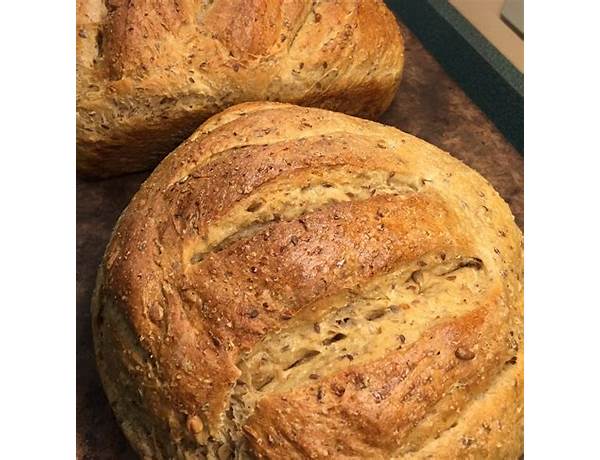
149	72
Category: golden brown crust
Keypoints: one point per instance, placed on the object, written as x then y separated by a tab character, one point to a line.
149	72
298	283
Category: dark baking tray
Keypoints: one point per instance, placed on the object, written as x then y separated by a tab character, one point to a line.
429	104
485	75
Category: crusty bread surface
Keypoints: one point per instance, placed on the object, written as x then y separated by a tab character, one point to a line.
295	283
149	72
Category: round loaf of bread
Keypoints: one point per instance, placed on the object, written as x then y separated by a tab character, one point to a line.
149	72
295	283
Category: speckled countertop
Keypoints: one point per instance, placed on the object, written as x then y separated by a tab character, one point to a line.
429	105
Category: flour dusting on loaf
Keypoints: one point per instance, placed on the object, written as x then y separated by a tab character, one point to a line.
297	283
